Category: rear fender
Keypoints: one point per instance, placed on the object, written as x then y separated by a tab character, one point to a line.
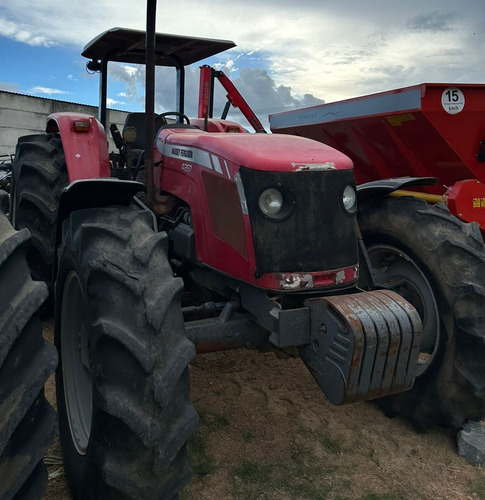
384	187
86	151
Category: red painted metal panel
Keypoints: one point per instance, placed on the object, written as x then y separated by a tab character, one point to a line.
466	199
204	92
86	152
182	174
424	130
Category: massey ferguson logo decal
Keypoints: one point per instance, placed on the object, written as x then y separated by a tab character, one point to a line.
183	153
199	157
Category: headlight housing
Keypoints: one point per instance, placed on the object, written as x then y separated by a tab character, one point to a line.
276	202
270	202
349	199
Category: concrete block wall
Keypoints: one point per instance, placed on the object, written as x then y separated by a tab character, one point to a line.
23	115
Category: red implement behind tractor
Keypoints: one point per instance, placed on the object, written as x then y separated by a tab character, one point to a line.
234	240
428	130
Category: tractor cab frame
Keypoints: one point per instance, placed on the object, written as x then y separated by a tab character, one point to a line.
151	49
129	46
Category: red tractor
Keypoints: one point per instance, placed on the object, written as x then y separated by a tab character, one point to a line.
233	240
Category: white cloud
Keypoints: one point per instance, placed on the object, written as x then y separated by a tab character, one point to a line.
47	91
24	33
114	102
130	70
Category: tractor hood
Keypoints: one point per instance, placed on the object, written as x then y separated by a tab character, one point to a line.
265	152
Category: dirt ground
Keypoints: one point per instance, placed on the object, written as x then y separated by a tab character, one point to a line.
267	432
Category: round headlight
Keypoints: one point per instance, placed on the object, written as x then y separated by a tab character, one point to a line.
349	199
270	202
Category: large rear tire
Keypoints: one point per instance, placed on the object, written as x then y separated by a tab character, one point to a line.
27	421
438	264
39	176
123	381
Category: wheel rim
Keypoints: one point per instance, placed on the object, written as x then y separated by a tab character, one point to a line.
76	376
397	271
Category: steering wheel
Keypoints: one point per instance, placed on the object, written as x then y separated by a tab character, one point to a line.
175	113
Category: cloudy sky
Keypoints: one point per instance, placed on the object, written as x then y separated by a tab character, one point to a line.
289	53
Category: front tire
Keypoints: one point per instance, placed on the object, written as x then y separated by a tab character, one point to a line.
437	263
27	421
123	382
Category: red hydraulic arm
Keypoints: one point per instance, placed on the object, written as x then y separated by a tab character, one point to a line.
206	97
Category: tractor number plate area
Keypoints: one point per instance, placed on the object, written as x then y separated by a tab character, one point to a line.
362	346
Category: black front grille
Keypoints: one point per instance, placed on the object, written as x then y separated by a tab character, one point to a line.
316	235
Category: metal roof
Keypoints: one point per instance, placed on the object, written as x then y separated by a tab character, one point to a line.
127	45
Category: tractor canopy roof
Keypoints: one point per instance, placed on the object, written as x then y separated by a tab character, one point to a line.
128	45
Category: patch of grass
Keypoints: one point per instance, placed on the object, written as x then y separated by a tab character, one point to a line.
383	496
213	420
305	485
477	487
297	481
202	462
332	444
248	437
221	421
252	472
373	456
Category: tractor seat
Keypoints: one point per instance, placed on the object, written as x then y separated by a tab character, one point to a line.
137	120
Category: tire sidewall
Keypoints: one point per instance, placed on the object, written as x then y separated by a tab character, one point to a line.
79	464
